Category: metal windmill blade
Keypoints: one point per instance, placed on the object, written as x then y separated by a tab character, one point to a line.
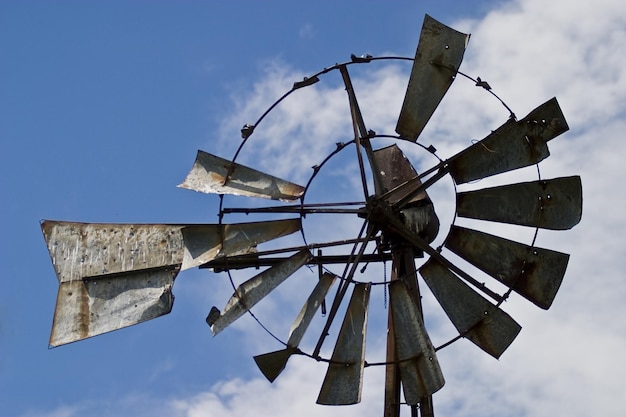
116	275
437	59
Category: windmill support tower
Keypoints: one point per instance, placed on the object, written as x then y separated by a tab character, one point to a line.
116	275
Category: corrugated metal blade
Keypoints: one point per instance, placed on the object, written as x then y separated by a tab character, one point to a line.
203	243
90	307
549	204
513	145
476	319
80	250
439	54
255	289
534	273
273	363
419	369
344	377
209	172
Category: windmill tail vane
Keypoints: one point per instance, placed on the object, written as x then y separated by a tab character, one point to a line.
113	276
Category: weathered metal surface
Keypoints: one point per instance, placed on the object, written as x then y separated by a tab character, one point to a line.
116	275
418	213
255	289
90	307
476	319
344	378
80	250
513	145
439	54
419	369
273	363
309	309
534	273
549	204
396	169
204	243
214	175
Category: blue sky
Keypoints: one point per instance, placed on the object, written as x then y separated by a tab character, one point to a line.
103	106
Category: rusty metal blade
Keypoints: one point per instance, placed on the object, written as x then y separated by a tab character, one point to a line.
439	54
513	145
396	169
534	273
80	250
419	369
209	175
476	319
344	377
418	213
255	289
204	243
549	204
273	363
90	307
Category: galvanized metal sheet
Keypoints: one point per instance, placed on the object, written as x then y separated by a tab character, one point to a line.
419	368
80	250
439	54
309	308
344	378
418	213
87	308
549	204
476	319
209	175
204	243
534	273
273	363
396	169
255	289
513	145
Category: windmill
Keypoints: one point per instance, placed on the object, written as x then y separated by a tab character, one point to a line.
116	275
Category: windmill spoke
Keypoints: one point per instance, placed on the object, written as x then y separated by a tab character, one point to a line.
361	136
261	258
346	279
302	209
